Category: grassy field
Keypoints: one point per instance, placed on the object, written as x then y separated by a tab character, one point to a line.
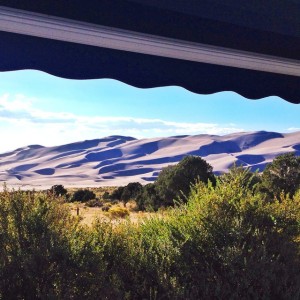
89	214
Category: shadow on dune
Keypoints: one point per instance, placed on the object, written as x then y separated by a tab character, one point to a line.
121	170
147	148
29	153
23	168
297	147
251	158
67	153
258	167
68	165
108	177
115	160
150	179
133	172
112	168
46	171
247	141
85	145
118	142
103	155
75	176
158	161
217	148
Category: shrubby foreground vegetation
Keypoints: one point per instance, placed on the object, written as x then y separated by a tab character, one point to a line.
233	237
174	182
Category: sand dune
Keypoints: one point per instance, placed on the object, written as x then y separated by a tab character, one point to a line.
118	160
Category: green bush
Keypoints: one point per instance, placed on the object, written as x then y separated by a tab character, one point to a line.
126	193
282	176
148	198
106	196
250	247
117	193
174	182
83	195
131	191
44	252
58	190
226	242
245	178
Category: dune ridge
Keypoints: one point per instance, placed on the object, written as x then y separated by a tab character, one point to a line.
118	160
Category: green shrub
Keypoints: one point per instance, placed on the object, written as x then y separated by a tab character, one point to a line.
44	252
247	248
126	193
226	242
174	182
106	196
83	195
117	193
131	191
148	198
282	175
58	190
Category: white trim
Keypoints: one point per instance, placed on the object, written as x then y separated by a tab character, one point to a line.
39	25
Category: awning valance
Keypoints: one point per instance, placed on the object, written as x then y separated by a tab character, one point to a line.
149	43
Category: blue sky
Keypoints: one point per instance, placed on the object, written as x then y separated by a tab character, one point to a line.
37	108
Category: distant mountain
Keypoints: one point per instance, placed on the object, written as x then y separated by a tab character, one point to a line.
117	160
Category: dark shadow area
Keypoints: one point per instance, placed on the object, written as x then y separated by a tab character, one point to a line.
253	139
46	171
217	148
251	158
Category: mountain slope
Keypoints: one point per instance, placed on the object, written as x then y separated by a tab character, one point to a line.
117	160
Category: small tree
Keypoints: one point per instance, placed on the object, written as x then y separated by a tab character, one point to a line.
83	195
106	196
58	190
130	191
282	175
117	193
148	199
175	181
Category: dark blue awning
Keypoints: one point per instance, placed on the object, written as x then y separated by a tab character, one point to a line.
271	29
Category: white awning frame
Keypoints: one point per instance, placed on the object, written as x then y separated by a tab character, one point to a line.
50	27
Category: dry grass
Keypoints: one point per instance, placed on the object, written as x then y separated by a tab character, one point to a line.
89	214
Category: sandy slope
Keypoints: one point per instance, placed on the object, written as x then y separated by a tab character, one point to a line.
117	160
